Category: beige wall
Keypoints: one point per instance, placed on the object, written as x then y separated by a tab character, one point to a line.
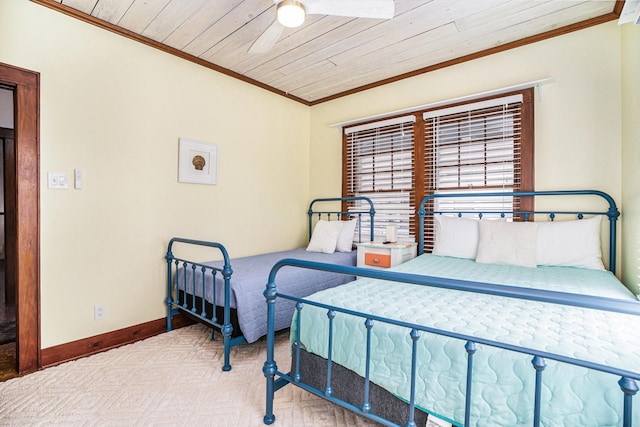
578	127
631	155
116	109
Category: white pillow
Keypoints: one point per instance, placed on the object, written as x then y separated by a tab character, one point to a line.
510	243
345	240
325	236
570	243
455	236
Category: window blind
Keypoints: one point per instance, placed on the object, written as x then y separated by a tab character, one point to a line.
478	146
473	148
379	164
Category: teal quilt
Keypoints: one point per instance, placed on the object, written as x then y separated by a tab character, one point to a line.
503	381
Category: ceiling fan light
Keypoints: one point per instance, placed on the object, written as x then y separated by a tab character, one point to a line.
291	13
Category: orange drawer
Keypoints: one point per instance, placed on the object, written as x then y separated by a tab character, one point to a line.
377	260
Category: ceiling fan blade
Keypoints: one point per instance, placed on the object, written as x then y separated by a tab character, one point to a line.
268	38
383	9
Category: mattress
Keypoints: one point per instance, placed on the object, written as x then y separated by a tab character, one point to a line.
503	381
249	280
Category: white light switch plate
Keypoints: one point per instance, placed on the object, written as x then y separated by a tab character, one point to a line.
78	178
58	180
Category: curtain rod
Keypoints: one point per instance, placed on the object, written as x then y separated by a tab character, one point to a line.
535	83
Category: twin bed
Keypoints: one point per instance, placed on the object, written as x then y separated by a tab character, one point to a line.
506	322
233	300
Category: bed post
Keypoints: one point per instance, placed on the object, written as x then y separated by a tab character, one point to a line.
169	299
270	367
629	388
471	349
539	364
613	215
227	329
310	226
421	214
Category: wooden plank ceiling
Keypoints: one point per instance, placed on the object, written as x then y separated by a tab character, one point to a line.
331	56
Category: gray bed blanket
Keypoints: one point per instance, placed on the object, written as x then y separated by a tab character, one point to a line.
249	280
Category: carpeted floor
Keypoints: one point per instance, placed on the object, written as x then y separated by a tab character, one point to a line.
173	379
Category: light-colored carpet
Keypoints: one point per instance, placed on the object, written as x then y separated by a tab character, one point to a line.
173	379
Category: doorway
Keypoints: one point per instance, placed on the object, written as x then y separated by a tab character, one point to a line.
22	212
8	367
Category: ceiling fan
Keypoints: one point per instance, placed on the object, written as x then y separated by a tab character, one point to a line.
291	13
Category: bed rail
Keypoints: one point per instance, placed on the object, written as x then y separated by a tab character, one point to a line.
174	306
276	379
612	212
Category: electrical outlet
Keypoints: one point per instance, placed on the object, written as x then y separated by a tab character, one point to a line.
98	311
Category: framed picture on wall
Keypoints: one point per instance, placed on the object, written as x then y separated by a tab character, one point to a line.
197	162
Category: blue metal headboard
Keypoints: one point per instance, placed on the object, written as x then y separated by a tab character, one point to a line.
612	213
340	214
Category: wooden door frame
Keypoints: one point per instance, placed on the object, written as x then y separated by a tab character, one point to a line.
26	191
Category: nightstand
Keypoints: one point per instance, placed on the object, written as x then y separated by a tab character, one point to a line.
385	255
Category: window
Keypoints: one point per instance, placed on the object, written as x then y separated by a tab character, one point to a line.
485	145
379	164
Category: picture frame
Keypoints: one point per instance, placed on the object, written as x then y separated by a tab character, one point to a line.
197	162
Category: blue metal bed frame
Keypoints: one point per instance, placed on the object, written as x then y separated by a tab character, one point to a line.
226	328
276	379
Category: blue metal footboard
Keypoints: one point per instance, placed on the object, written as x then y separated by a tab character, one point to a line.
188	304
200	271
276	379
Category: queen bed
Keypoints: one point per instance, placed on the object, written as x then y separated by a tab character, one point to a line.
517	333
233	301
